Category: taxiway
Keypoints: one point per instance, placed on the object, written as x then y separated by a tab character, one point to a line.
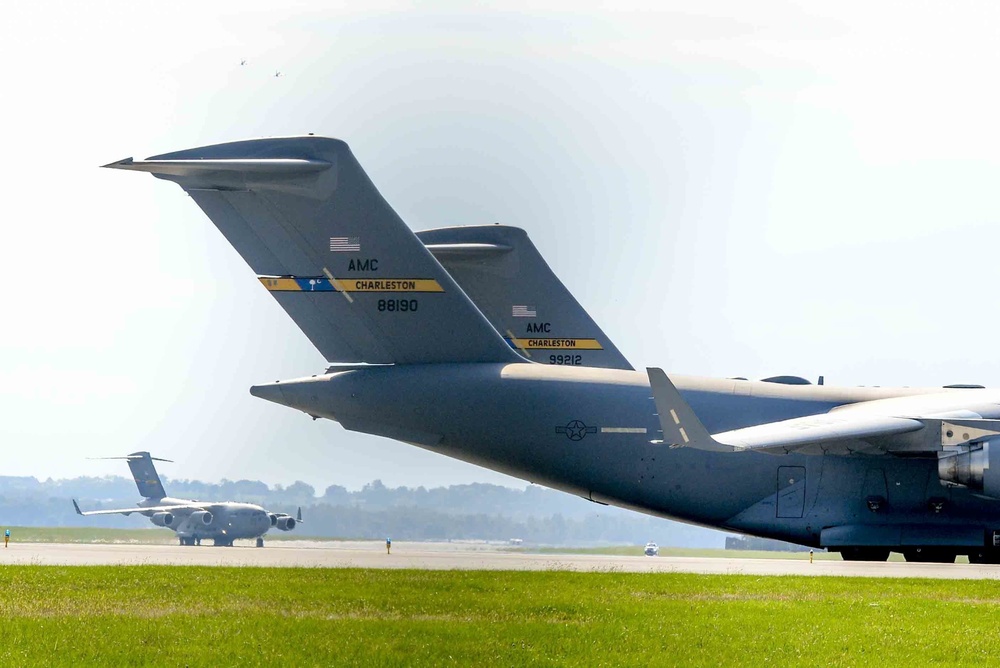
458	556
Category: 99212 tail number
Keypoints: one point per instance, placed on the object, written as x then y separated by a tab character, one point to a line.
572	360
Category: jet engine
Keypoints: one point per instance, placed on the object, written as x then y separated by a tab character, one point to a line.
162	519
976	466
285	522
202	516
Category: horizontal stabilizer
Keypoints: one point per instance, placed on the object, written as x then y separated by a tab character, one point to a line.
331	251
270	166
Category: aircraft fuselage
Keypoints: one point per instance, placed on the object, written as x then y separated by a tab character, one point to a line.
594	433
225	522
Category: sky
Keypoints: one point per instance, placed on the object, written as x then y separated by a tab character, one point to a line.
729	188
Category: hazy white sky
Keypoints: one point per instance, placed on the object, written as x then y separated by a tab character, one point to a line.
730	188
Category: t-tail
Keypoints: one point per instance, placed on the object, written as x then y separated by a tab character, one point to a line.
328	247
147	480
507	279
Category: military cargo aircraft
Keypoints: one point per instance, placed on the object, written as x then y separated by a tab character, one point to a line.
522	381
194	520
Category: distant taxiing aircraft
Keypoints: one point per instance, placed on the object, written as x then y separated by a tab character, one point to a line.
445	341
195	520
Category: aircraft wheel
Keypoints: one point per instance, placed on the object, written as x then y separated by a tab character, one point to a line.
260	542
864	554
930	555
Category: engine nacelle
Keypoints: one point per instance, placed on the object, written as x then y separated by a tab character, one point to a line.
285	522
203	517
162	519
976	467
274	519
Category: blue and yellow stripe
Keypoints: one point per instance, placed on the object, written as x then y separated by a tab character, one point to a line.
554	343
324	284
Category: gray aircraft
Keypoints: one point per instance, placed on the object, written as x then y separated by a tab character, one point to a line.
503	274
195	520
450	342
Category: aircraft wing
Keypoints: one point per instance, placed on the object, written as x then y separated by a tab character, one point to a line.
825	431
854	430
139	509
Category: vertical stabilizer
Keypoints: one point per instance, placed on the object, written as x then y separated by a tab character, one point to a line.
145	476
509	281
323	241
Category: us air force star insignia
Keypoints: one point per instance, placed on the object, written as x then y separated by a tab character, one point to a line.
575	430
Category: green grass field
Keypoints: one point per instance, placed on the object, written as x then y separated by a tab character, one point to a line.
148	615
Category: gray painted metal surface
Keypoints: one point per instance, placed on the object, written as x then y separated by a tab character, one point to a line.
193	521
854	469
507	279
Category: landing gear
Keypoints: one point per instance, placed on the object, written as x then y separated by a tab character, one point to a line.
223	542
864	553
260	542
188	541
931	555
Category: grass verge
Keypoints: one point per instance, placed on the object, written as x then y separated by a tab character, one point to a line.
150	615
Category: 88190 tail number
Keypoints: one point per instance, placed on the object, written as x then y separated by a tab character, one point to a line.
397	305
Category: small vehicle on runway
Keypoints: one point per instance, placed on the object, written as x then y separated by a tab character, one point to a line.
652	549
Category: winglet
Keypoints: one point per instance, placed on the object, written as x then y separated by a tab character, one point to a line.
681	427
77	506
298	515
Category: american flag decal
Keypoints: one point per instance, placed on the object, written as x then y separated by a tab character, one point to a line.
518	311
345	244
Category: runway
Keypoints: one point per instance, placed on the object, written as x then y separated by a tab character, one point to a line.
457	556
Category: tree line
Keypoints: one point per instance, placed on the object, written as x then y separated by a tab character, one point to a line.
477	511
